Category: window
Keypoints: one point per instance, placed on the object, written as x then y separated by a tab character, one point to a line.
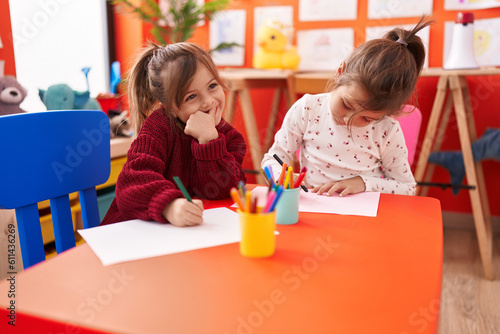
54	40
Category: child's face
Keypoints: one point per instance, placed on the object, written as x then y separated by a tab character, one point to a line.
203	95
344	103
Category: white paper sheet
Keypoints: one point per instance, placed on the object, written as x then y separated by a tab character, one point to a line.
362	204
139	239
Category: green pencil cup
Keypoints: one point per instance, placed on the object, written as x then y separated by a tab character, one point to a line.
287	209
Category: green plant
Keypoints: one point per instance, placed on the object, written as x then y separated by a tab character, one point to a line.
179	22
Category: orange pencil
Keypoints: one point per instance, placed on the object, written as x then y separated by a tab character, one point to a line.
283	172
236	197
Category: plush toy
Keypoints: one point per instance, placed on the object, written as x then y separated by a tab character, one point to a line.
11	95
62	97
274	49
119	123
486	147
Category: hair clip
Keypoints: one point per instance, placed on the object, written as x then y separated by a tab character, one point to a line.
402	42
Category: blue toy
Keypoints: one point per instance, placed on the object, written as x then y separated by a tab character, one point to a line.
486	147
62	97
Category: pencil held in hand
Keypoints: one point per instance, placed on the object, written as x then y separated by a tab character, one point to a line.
183	189
300	178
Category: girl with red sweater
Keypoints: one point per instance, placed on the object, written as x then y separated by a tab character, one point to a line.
177	99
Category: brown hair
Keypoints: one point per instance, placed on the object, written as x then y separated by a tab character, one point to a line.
163	75
386	68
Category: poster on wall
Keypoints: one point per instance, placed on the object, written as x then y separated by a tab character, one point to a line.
470	4
486	41
379	31
228	26
282	14
324	49
327	10
384	9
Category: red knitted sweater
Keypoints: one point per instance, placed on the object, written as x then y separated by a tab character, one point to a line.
161	151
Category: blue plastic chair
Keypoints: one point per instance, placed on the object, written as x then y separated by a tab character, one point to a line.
49	155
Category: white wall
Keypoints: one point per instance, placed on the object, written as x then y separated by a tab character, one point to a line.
54	40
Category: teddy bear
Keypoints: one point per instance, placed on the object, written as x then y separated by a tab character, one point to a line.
11	95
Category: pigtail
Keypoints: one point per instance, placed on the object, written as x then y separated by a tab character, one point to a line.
410	40
141	99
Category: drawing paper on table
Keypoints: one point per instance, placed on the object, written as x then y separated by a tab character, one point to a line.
139	239
362	204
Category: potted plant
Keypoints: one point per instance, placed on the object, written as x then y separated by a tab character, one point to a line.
175	20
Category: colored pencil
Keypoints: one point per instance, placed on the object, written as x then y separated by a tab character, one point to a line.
179	183
242	188
236	197
265	177
253	209
301	177
282	176
276	199
269	201
281	163
287	177
268	174
248	200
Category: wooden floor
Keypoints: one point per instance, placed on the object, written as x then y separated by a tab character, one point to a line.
469	302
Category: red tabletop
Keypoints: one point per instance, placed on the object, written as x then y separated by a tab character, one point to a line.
330	274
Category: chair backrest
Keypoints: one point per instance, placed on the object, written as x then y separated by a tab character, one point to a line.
48	155
410	121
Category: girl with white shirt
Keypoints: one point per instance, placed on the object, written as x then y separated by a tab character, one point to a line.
348	142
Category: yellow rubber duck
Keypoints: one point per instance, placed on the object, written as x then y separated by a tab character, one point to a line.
273	51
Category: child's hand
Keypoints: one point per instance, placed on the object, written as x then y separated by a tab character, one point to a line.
180	212
201	125
345	187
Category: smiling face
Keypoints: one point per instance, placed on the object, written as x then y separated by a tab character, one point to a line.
204	94
346	106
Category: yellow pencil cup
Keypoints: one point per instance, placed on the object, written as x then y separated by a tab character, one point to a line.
257	234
